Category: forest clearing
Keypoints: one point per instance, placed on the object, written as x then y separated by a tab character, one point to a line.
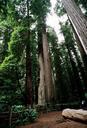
43	63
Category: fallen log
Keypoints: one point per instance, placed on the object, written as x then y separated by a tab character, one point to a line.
77	115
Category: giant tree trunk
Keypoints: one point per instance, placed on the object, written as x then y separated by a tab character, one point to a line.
78	21
83	70
47	67
28	64
41	88
77	82
28	77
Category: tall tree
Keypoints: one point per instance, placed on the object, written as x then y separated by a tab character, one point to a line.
47	65
78	21
74	58
28	59
59	70
41	88
44	52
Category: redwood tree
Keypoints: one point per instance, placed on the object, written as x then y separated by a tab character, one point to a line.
47	67
78	21
44	56
28	61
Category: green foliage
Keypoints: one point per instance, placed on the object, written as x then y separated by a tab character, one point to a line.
4	24
75	67
17	42
43	7
12	68
83	3
58	55
59	9
19	30
9	80
8	62
26	115
4	107
68	34
3	9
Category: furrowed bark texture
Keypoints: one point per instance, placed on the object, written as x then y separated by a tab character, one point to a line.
47	68
28	63
78	21
41	88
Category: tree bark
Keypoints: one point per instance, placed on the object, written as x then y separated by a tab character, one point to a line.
78	21
28	64
83	69
77	82
47	67
41	88
81	49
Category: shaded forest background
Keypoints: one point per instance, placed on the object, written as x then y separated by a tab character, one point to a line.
34	67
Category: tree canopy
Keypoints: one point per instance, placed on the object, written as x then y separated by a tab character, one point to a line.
35	68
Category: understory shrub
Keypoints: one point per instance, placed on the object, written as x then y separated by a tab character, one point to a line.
25	115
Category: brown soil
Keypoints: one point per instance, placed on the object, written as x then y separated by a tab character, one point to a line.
54	120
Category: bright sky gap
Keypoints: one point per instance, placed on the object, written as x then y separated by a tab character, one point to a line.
53	21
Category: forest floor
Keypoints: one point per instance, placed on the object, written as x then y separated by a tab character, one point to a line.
54	120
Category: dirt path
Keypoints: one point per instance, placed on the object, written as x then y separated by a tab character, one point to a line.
54	120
